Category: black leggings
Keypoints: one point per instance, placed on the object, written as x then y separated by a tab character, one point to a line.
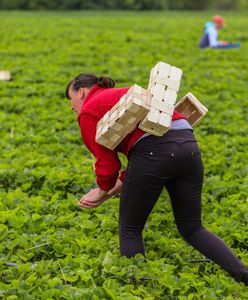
172	161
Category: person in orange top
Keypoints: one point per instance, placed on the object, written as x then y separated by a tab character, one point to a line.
210	36
172	161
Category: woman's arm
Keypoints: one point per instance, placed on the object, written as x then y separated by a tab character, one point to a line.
107	163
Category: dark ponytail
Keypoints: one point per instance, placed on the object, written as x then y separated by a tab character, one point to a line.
88	80
105	82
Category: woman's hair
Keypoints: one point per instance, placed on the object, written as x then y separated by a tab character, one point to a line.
88	80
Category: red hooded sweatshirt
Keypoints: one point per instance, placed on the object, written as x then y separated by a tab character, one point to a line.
107	166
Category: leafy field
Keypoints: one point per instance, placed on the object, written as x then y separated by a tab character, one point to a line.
64	252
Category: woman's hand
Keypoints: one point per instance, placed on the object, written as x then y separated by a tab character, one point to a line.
93	198
116	189
97	196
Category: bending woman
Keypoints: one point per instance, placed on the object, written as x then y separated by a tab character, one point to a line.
172	161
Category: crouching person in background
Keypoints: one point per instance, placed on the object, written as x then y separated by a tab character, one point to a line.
210	35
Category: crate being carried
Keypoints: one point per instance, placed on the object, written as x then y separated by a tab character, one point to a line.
163	85
191	108
123	117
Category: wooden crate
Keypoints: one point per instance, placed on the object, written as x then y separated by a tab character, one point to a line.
5	75
123	117
191	108
163	85
156	122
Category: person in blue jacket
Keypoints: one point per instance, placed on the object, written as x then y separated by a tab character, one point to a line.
210	36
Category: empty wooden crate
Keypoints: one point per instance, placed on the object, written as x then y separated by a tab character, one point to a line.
5	75
191	108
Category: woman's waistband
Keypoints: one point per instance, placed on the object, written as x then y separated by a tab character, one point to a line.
171	136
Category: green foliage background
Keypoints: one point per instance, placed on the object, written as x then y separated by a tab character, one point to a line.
64	252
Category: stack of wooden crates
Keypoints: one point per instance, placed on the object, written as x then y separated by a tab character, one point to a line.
151	110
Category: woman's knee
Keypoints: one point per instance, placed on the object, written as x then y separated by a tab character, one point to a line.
130	230
187	231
